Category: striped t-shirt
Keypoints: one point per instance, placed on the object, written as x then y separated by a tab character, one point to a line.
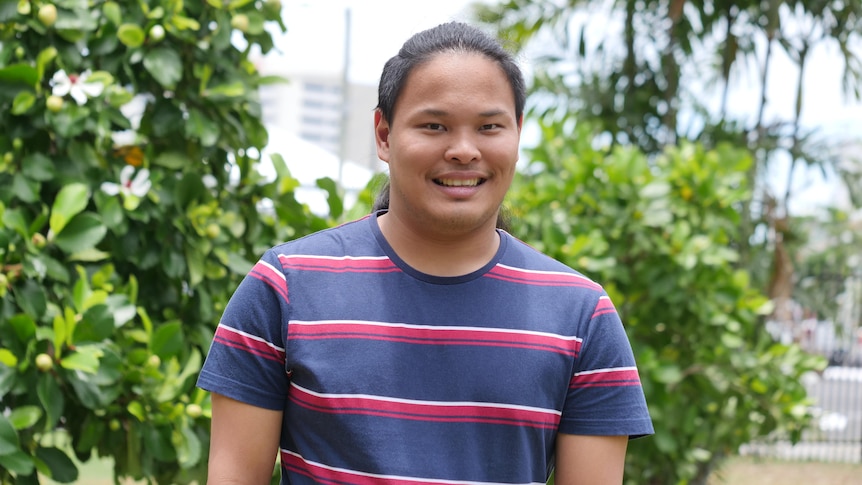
389	375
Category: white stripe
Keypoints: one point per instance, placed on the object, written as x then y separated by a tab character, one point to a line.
395	477
333	258
600	371
253	337
370	397
437	328
536	271
274	270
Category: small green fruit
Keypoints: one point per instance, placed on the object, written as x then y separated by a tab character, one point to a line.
272	6
47	14
44	362
17	143
38	240
54	103
213	231
239	22
194	411
114	424
154	362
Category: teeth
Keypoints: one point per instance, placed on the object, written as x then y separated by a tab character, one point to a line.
458	182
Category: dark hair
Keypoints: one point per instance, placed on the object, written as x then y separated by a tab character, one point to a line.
448	37
420	48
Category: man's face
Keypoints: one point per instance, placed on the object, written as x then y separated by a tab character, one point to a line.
452	146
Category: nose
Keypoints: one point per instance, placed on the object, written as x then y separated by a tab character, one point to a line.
463	148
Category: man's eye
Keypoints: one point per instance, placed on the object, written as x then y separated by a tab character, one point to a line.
434	126
490	126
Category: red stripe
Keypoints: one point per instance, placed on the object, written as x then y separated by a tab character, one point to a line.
434	336
333	476
417	411
608	378
515	275
340	265
272	278
603	307
231	338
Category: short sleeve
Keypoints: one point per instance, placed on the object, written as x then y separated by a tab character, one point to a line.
605	396
246	360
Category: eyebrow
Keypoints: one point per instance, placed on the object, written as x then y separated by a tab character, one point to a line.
483	114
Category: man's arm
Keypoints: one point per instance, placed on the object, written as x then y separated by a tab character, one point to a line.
590	460
244	442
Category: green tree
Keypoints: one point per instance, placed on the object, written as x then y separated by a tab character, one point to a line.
659	233
131	205
641	77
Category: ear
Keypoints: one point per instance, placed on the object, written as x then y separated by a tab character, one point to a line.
520	122
381	136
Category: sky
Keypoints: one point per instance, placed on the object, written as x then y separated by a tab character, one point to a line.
315	39
315	31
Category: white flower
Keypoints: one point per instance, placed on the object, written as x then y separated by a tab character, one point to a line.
75	85
124	138
128	186
134	109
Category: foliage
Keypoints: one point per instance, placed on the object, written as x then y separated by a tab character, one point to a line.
655	72
661	236
131	206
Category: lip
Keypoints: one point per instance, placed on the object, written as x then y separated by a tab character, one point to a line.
460	186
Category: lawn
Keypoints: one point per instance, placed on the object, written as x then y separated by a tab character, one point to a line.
760	471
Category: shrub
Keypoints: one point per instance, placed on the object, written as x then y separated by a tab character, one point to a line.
131	206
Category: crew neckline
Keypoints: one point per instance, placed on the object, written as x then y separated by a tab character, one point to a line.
419	275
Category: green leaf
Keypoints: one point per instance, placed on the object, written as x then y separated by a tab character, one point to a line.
188	446
25	417
37	166
32	299
137	410
336	206
63	469
20	73
96	325
165	66
25	189
231	90
167	340
668	374
23	102
112	12
51	398
14	219
81	234
8	436
17	462
85	361
172	160
202	127
24	327
7	358
131	35
70	201
43	59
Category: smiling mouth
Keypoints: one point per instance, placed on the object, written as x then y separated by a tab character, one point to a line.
459	182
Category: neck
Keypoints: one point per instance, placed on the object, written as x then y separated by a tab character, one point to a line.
440	254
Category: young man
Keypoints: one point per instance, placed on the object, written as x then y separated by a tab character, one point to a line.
421	344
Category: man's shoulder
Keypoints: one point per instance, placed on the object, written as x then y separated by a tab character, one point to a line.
350	236
531	258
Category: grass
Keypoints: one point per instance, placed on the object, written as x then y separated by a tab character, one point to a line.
760	471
